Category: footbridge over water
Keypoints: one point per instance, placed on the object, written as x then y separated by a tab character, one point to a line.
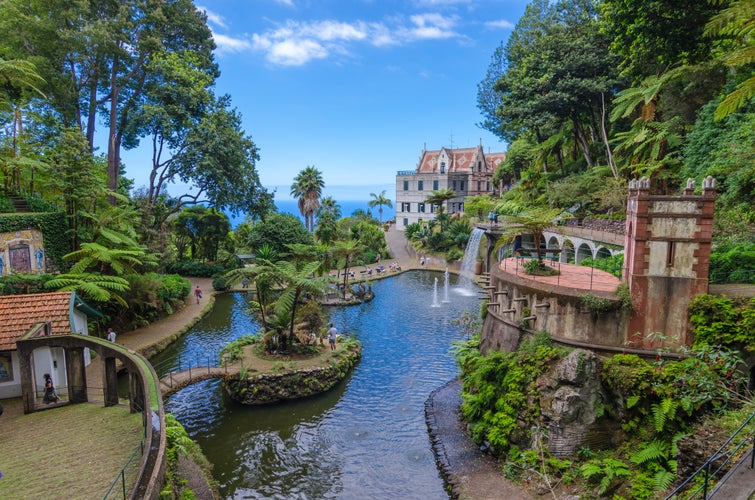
567	244
175	381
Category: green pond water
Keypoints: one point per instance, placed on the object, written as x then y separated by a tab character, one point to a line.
367	437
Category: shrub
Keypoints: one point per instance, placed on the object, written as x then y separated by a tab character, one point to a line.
194	269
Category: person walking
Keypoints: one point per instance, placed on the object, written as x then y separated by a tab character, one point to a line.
332	334
111	335
50	395
198	293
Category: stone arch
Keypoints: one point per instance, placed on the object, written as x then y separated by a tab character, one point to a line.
584	251
567	251
602	253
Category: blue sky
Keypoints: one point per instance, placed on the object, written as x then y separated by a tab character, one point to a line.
354	87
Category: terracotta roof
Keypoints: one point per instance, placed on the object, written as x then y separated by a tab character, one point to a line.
19	312
461	160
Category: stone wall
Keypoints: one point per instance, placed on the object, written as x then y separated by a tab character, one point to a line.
517	307
273	387
608	225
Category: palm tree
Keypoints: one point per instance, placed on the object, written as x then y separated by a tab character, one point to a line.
438	198
378	200
347	249
534	221
330	205
307	187
296	282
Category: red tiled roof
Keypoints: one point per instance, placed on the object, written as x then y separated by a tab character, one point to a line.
19	312
462	160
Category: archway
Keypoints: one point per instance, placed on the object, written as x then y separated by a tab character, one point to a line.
584	251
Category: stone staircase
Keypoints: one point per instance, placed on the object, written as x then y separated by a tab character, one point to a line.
19	203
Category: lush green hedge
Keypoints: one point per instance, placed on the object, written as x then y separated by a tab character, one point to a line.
53	227
733	263
195	269
723	321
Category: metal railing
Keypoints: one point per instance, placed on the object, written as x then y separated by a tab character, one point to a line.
717	463
740	276
206	361
553	262
120	488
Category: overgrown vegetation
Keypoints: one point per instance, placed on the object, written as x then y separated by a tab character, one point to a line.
179	444
654	402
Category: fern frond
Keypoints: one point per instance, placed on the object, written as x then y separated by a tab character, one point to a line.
655	451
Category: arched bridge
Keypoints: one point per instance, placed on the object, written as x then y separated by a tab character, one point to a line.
569	244
175	381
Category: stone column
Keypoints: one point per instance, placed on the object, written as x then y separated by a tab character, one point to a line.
110	381
76	374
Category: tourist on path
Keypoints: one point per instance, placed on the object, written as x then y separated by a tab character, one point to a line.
332	334
50	396
198	293
111	335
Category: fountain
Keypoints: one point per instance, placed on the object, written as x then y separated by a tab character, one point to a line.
435	294
466	282
446	300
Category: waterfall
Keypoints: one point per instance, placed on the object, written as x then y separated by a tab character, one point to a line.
468	263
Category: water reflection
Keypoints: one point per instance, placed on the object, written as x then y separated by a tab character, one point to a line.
367	437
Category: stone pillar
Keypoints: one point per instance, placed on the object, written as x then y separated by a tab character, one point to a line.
76	375
110	382
136	393
666	258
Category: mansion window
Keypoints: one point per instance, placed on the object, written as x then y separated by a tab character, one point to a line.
420	185
421	207
406	222
442	167
479	166
435	185
406	185
462	185
479	185
453	184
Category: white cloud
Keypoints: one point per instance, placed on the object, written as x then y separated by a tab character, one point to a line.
213	17
501	23
289	3
229	44
431	26
295	43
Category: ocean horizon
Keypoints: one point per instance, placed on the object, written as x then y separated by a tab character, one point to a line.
348	207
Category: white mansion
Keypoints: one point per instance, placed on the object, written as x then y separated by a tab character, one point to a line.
467	171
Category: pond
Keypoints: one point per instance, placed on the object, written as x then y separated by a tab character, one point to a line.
367	437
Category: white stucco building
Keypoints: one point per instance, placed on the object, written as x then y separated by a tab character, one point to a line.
466	171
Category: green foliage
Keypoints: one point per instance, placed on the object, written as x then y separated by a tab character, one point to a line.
24	283
220	283
613	264
234	350
597	305
277	230
150	297
624	294
723	321
733	263
195	269
605	471
496	389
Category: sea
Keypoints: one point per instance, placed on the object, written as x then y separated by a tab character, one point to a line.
348	207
